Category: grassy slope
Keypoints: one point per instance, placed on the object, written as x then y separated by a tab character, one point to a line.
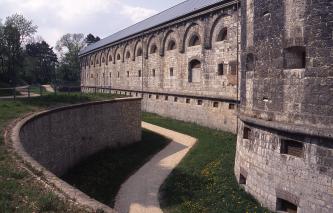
18	191
102	174
204	181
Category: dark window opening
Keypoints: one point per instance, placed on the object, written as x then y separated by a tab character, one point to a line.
188	100
199	102
294	57
118	57
231	106
127	73
220	70
153	49
118	75
194	41
103	60
216	104
247	133
128	55
242	179
285	206
157	97
250	62
171	71
154	73
149	96
139	73
136	94
175	99
223	34
233	67
293	148
171	45
166	97
92	62
139	52
194	73
110	75
110	58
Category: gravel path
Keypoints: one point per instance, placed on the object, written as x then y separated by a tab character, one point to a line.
139	194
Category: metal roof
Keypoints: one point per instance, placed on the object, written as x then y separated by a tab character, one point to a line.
170	14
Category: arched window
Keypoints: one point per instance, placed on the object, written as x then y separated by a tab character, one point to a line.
171	45
153	49
118	57
128	54
110	58
139	52
103	60
92	62
194	41
223	34
194	71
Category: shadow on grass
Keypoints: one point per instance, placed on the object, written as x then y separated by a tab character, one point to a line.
101	175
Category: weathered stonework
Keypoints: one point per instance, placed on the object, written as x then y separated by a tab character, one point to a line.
180	58
53	141
286	101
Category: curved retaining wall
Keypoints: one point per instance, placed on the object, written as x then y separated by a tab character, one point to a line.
53	141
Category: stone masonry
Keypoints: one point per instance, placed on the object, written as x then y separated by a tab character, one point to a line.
284	152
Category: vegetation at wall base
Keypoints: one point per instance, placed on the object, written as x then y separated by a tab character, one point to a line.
204	181
19	191
101	175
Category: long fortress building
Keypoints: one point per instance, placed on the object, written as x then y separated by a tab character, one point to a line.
260	68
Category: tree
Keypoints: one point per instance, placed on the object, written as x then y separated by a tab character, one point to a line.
11	52
40	63
90	39
24	26
69	47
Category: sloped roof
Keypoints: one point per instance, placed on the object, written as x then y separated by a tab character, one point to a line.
170	14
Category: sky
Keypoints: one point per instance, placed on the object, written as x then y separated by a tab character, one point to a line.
102	18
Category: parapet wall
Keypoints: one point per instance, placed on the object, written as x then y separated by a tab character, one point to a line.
58	139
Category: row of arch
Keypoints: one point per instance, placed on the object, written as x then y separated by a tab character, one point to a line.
157	44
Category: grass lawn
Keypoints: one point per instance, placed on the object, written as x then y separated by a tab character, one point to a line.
102	174
19	192
204	182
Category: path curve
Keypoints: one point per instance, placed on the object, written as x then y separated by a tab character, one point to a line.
139	194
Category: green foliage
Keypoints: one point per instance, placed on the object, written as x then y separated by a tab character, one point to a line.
69	47
204	181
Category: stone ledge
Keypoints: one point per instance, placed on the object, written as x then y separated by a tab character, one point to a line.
290	128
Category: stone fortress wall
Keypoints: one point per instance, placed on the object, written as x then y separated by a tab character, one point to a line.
186	65
58	139
285	143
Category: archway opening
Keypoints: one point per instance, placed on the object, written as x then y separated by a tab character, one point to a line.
128	54
194	73
171	45
223	34
153	49
139	52
194	41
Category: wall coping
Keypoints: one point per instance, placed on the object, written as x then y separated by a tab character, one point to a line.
62	188
290	128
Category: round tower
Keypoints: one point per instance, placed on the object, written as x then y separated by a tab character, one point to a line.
284	152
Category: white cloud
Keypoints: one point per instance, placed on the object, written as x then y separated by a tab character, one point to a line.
137	13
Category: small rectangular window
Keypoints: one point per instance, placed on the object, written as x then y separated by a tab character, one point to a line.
199	102
136	94
171	72
175	99
139	73
293	148
231	106
149	95
188	100
127	73
220	70
118	75
247	133
242	179
166	97
285	206
157	97
216	104
153	72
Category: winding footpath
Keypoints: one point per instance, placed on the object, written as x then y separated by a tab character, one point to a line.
139	194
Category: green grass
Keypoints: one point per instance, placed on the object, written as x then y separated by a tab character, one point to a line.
204	181
102	174
19	192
